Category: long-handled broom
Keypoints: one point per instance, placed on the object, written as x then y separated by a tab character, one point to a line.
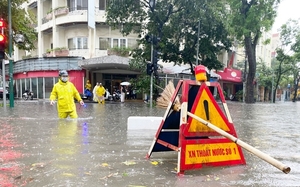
165	97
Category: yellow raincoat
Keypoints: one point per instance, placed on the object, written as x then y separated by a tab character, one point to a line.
65	92
88	85
100	94
100	91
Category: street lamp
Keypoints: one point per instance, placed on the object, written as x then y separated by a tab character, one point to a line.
152	7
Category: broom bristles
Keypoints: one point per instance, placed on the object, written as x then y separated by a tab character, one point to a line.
165	97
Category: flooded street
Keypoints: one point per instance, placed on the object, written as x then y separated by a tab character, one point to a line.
37	149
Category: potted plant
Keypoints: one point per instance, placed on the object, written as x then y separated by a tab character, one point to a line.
61	11
49	52
120	51
49	14
61	51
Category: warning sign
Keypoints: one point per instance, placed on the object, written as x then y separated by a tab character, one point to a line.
207	108
196	143
207	153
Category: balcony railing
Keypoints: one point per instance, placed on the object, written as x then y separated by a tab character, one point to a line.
39	64
61	11
45	20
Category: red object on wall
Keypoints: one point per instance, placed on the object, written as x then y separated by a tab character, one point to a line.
232	75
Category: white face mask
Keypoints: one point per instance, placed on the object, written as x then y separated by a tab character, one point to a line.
64	79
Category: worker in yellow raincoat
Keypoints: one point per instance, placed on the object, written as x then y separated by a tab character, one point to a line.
100	93
65	92
88	85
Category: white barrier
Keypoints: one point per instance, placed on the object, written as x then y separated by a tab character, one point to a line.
143	122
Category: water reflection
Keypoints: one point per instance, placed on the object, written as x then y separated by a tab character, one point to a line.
10	168
65	145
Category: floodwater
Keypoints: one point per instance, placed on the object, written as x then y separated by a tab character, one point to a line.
37	149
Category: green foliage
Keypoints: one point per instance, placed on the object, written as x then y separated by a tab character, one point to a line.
175	23
49	50
248	19
239	95
288	55
122	51
60	48
50	11
22	22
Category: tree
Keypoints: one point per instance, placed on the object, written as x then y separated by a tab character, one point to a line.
290	50
284	65
249	18
176	25
265	76
22	22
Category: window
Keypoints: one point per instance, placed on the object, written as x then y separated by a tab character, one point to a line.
72	43
104	43
78	43
77	5
119	42
122	43
82	4
102	4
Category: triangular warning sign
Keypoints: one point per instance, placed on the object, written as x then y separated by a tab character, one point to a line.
197	145
206	107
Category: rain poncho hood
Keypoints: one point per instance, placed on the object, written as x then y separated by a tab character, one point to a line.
65	92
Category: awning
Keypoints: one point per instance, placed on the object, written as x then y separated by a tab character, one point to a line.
170	68
232	75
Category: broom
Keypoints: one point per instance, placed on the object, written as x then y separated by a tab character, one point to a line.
165	98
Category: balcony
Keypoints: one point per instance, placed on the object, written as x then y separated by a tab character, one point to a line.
47	18
61	11
57	52
119	51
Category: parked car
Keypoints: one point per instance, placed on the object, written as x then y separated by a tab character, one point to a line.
1	93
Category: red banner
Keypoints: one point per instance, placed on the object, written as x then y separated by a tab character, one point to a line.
232	75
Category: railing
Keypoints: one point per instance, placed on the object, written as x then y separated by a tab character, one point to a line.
45	20
51	63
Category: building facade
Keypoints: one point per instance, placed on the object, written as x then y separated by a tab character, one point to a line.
74	32
67	34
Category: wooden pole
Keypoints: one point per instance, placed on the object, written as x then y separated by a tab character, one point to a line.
244	145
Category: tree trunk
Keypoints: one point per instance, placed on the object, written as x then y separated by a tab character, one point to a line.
296	90
250	51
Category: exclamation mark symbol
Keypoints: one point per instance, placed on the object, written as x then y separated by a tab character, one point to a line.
205	102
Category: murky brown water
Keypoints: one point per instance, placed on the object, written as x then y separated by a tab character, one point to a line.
37	149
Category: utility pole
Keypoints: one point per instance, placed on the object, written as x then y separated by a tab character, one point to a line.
152	6
245	78
151	79
198	35
3	84
272	91
11	75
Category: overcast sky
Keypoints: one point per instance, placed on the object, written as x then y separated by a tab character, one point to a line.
288	9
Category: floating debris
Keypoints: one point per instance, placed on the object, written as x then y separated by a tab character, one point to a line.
154	163
129	163
110	175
